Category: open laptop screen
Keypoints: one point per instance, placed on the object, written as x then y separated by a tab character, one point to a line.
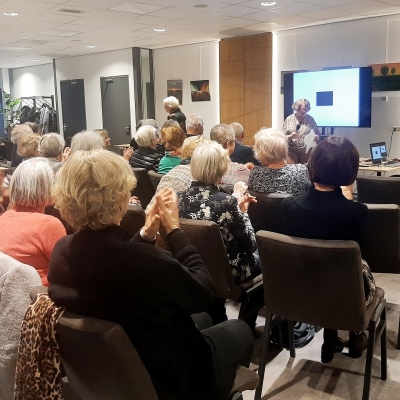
377	150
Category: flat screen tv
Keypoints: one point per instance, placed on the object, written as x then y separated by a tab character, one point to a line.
338	97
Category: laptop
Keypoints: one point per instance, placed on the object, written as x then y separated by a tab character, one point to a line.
377	151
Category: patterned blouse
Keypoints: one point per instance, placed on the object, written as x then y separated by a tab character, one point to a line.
292	179
290	126
236	172
206	202
179	179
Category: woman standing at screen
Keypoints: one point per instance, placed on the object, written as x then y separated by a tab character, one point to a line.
296	127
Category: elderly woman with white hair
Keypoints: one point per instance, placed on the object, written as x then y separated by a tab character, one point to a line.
275	175
146	155
51	146
31	235
171	106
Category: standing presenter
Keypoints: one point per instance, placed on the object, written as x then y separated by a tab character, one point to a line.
296	127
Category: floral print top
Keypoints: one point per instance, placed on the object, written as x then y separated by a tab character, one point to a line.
290	126
206	202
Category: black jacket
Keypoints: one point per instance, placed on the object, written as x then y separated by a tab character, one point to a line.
145	157
178	116
243	154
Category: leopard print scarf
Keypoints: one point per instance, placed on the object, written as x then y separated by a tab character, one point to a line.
38	374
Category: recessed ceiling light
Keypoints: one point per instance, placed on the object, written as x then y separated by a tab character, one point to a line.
11	14
268	3
201	5
159	29
91	46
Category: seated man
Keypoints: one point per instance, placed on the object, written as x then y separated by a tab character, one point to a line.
242	154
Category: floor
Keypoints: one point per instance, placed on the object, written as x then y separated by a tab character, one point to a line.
305	377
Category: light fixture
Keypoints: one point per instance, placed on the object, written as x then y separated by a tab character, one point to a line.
159	29
36	60
11	14
268	3
91	46
201	5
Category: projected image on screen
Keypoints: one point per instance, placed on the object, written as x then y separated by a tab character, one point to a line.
334	95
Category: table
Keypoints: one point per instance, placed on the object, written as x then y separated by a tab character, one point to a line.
379	170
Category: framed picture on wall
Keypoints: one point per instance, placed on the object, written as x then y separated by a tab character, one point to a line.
200	90
174	88
385	77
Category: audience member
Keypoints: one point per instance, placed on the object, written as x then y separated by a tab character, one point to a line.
142	122
31	235
16	133
152	293
275	176
146	155
171	106
28	146
173	139
51	146
225	136
86	141
36	128
104	134
325	213
242	154
194	125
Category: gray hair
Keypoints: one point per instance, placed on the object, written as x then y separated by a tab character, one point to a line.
209	162
193	121
18	131
145	136
301	102
222	134
271	145
51	145
31	183
171	101
238	128
150	121
86	141
170	122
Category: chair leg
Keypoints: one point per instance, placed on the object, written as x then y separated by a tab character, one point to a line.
263	358
368	362
291	338
383	349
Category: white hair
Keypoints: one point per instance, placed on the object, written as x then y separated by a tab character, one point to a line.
145	136
193	121
238	128
86	141
51	145
222	134
31	183
171	101
271	145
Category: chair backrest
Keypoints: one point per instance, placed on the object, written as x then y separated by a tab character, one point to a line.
319	282
265	214
134	219
50	210
155	178
378	190
144	189
380	238
206	237
100	360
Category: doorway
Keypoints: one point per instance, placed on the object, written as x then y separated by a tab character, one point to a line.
115	104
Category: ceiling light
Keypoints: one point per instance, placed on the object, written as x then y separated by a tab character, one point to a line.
11	14
159	29
201	5
36	60
91	46
268	3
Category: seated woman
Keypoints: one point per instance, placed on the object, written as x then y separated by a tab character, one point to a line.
173	139
275	176
146	155
101	272
325	213
16	134
30	235
28	146
51	146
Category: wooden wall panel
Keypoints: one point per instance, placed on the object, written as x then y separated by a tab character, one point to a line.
246	82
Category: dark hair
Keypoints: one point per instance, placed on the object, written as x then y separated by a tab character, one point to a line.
334	162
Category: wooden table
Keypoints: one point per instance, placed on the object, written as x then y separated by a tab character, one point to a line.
379	170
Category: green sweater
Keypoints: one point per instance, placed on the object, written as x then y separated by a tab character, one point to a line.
167	163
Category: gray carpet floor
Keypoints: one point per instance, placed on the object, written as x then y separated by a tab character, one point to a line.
305	377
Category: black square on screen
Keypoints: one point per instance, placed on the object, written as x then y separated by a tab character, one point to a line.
324	98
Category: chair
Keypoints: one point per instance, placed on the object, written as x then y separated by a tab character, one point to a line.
134	219
378	189
155	178
304	278
206	237
265	214
101	362
144	189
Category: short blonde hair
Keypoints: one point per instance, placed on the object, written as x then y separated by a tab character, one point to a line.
190	144
31	183
171	101
301	102
28	145
92	189
86	141
271	145
18	131
222	134
51	145
209	163
173	137
145	135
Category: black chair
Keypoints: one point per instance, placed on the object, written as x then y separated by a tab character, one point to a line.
155	178
304	278
144	189
378	189
134	219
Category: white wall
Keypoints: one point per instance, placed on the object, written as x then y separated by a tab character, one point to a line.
357	43
91	68
191	62
37	80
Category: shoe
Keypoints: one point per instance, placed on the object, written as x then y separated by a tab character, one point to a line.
327	354
357	344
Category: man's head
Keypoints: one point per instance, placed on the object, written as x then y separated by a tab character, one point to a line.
225	136
239	131
194	125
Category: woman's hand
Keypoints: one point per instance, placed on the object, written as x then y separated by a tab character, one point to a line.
249	165
134	201
152	224
128	153
293	135
167	202
245	201
240	187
